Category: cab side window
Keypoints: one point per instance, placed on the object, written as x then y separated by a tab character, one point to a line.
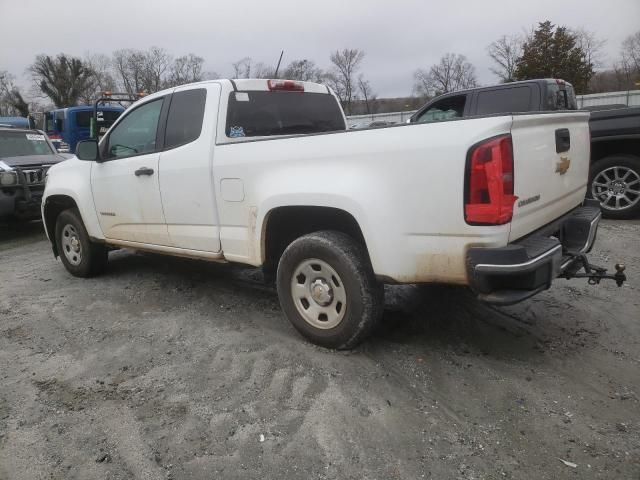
186	113
445	109
136	133
504	100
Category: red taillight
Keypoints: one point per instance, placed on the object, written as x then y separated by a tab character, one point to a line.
54	136
288	85
489	197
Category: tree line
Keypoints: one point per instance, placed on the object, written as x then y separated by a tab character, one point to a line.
547	51
64	80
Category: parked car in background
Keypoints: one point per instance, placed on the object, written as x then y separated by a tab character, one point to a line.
19	122
615	133
615	161
25	157
67	126
527	96
264	172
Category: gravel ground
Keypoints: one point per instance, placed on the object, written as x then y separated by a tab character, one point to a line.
171	368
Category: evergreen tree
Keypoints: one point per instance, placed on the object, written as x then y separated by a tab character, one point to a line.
554	52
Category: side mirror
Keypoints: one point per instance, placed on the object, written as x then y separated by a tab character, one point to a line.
88	150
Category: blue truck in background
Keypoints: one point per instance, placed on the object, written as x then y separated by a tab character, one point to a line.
65	127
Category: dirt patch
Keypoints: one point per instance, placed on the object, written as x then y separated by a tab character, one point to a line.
171	368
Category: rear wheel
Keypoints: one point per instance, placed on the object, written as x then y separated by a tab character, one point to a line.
615	183
80	256
328	290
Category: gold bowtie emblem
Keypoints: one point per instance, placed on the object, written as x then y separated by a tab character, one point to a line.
563	165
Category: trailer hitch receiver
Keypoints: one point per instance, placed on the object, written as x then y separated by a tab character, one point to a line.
581	268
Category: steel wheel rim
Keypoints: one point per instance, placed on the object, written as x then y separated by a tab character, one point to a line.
71	245
617	188
318	294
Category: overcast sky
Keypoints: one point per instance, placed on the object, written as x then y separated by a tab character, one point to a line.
398	37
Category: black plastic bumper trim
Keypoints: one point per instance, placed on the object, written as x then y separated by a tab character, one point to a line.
520	270
519	267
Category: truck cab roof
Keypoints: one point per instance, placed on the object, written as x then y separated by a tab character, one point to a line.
253	109
536	95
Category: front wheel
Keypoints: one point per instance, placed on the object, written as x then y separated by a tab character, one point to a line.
328	290
615	183
80	256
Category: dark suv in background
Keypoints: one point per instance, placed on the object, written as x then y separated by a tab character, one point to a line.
615	133
25	157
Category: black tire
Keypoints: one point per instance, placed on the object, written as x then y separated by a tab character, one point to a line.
92	258
628	163
363	294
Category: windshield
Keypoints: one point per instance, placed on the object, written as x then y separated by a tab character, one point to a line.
259	114
20	144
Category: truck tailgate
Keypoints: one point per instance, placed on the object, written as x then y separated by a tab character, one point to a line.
551	167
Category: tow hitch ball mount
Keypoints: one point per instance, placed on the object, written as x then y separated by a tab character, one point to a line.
593	272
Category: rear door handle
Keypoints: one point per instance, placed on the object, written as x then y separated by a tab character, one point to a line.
144	171
563	140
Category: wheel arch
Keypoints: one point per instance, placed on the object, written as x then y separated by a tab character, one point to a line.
52	208
283	224
614	147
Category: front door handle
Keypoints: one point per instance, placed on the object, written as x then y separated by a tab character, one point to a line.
144	171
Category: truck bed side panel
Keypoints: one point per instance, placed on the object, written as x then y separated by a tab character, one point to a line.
403	184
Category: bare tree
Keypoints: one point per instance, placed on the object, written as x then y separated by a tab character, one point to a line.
261	70
186	69
101	79
505	53
129	66
610	80
331	80
245	68
210	75
303	70
631	53
11	100
591	45
142	71
63	79
453	72
242	68
346	64
364	87
156	67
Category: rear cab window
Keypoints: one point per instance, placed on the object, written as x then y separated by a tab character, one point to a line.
258	113
504	100
560	96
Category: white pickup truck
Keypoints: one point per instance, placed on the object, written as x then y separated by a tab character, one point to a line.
263	172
